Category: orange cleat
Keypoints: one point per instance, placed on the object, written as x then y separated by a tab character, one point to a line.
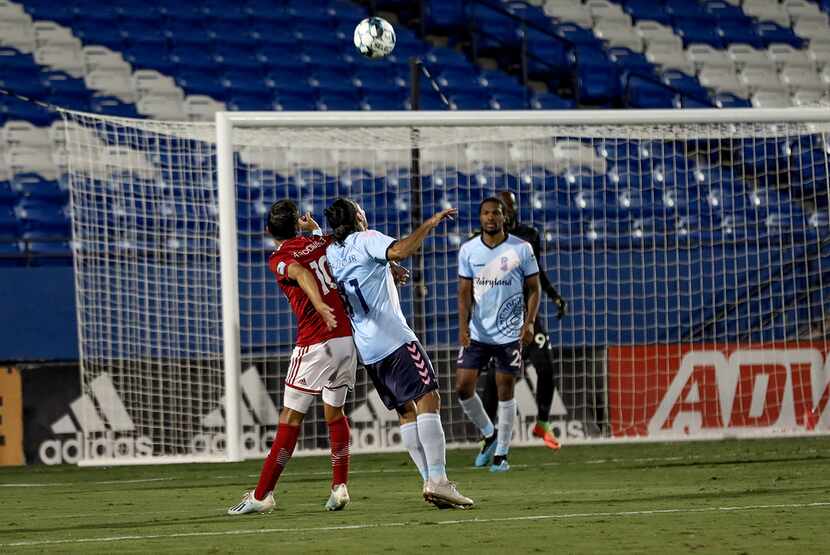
542	430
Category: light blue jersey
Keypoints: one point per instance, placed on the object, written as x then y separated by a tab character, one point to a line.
498	276
362	272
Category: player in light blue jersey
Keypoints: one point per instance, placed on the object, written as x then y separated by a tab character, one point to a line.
495	270
394	358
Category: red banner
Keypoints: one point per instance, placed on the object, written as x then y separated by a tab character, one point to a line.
689	390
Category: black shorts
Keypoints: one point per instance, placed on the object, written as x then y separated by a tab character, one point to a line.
507	357
403	376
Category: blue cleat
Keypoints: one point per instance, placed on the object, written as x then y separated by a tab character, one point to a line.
488	448
502	466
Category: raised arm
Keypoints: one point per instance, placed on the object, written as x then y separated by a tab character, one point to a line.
407	246
309	286
465	304
533	292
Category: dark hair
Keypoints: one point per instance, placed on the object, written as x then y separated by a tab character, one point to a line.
342	218
497	200
282	220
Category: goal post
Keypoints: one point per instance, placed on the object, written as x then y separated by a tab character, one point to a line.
691	246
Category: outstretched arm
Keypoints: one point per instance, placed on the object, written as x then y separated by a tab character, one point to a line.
407	246
309	286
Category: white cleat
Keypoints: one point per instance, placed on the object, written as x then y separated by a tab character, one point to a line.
338	499
445	495
251	505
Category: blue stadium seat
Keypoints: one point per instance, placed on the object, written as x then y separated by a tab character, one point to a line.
12	60
33	187
726	100
725	11
469	102
509	102
49	253
771	32
645	93
388	100
239	58
696	31
688	10
575	34
111	106
732	32
445	58
633	62
498	82
197	82
647	9
157	57
339	100
550	101
250	101
192	58
685	84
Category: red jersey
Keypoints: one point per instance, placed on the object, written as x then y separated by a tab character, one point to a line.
310	253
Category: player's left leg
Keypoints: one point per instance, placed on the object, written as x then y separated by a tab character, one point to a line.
339	378
261	499
540	354
508	369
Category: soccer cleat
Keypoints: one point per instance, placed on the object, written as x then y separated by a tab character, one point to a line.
488	447
249	504
499	465
338	499
444	495
542	430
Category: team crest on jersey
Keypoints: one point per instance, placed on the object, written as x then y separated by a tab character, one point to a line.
504	264
281	268
511	315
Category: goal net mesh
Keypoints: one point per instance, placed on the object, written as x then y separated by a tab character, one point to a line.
692	258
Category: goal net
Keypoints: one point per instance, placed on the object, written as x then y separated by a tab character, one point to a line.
691	249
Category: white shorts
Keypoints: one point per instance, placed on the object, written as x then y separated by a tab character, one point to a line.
328	368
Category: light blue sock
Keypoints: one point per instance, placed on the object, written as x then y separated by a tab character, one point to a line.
409	435
507	415
474	409
432	438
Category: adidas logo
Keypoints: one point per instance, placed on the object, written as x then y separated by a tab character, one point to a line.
100	425
259	417
373	425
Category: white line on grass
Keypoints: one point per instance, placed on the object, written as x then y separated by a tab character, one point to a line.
104	482
620	514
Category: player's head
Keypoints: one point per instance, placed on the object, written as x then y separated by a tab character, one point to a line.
345	217
282	220
509	201
491	215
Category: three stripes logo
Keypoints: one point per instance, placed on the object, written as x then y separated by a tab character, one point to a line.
259	416
98	425
420	363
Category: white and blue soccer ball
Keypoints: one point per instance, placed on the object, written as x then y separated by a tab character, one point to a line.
374	37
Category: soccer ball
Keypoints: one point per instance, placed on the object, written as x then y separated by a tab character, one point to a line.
374	37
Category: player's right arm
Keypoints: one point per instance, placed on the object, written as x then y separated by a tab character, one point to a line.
465	297
407	246
309	286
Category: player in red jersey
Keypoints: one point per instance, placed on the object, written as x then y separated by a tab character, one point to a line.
324	361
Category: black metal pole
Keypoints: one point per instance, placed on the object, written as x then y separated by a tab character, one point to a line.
416	216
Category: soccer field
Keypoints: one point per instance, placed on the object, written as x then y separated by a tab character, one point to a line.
747	496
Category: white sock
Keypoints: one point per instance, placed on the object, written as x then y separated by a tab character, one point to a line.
507	414
409	434
474	410
432	438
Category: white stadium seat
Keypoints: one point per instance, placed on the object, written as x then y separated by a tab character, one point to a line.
49	33
19	35
784	54
570	11
669	57
80	134
806	97
13	13
819	53
764	10
704	55
758	78
722	80
653	30
825	75
23	134
570	154
100	57
615	33
771	99
602	9
199	107
150	82
161	107
744	55
812	29
61	58
28	160
798	77
799	10
112	83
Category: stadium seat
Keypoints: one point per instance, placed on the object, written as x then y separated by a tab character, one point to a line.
758	78
787	55
771	33
745	55
645	93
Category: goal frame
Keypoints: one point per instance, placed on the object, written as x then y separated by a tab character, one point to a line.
226	122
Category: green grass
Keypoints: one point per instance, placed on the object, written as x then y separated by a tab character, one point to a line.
726	497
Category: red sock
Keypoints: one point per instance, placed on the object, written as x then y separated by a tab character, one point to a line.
339	442
281	450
